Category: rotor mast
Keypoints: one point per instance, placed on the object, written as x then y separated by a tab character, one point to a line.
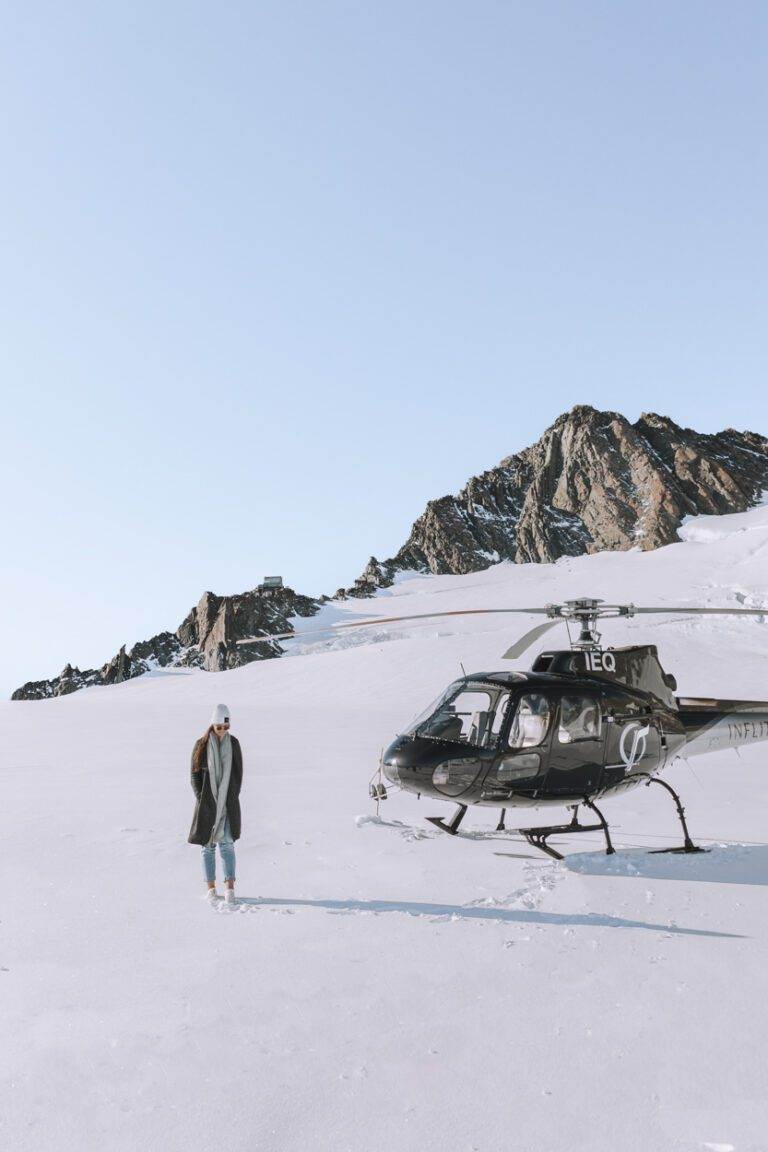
586	613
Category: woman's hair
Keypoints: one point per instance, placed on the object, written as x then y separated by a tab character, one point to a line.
197	755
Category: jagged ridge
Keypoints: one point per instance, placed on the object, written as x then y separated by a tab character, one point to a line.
206	638
594	481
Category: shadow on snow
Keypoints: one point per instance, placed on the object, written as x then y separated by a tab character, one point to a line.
462	912
722	864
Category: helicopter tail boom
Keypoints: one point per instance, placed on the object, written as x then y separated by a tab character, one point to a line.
712	725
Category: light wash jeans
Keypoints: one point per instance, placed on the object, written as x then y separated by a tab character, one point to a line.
227	852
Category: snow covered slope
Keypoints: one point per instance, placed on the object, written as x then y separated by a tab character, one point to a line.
381	987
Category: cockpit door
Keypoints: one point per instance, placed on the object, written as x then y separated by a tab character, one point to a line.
577	750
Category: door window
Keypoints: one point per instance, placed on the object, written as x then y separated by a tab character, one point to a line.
531	722
579	719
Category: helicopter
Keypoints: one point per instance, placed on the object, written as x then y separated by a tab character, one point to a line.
584	723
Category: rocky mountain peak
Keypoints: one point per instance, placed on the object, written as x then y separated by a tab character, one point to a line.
593	481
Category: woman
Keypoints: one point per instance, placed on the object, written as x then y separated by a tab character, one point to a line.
217	774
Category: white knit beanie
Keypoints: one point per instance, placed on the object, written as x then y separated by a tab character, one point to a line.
220	714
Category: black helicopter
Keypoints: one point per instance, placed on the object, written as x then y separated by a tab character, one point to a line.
582	724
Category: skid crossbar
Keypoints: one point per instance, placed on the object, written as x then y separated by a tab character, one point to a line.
537	837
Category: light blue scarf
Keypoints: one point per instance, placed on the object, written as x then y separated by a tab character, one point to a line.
219	771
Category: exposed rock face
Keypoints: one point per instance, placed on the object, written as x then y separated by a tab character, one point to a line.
159	652
218	622
69	680
206	638
592	482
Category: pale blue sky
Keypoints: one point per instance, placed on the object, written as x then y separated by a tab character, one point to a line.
275	274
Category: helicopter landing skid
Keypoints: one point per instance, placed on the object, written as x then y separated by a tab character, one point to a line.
688	844
452	828
537	837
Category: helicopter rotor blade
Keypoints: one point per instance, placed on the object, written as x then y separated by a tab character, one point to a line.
703	611
519	647
525	641
331	629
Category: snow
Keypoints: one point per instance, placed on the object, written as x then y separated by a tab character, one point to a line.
382	987
705	529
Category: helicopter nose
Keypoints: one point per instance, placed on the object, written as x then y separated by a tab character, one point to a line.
404	765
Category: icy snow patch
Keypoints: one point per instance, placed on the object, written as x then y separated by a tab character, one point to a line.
706	529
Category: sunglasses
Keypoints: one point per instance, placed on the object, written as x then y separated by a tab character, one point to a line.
217	726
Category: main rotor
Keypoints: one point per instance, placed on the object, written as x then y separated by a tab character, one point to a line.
586	613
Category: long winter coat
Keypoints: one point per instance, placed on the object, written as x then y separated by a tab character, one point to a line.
205	808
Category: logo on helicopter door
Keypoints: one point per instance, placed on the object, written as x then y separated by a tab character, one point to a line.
639	743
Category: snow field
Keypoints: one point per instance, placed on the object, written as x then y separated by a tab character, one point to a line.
381	987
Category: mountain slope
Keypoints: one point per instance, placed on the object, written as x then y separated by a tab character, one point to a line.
593	482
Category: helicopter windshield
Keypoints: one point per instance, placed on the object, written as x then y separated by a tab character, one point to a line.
467	713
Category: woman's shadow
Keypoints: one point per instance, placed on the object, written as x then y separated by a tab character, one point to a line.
470	912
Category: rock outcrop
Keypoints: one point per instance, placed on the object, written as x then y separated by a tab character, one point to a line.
69	680
592	482
218	622
206	638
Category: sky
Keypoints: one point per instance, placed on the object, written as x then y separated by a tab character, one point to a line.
275	274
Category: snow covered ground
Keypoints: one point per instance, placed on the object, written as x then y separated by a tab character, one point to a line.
381	987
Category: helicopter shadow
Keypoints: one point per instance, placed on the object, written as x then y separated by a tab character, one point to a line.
470	912
720	864
420	832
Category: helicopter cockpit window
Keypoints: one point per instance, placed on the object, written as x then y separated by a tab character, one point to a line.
531	722
469	713
579	719
433	708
